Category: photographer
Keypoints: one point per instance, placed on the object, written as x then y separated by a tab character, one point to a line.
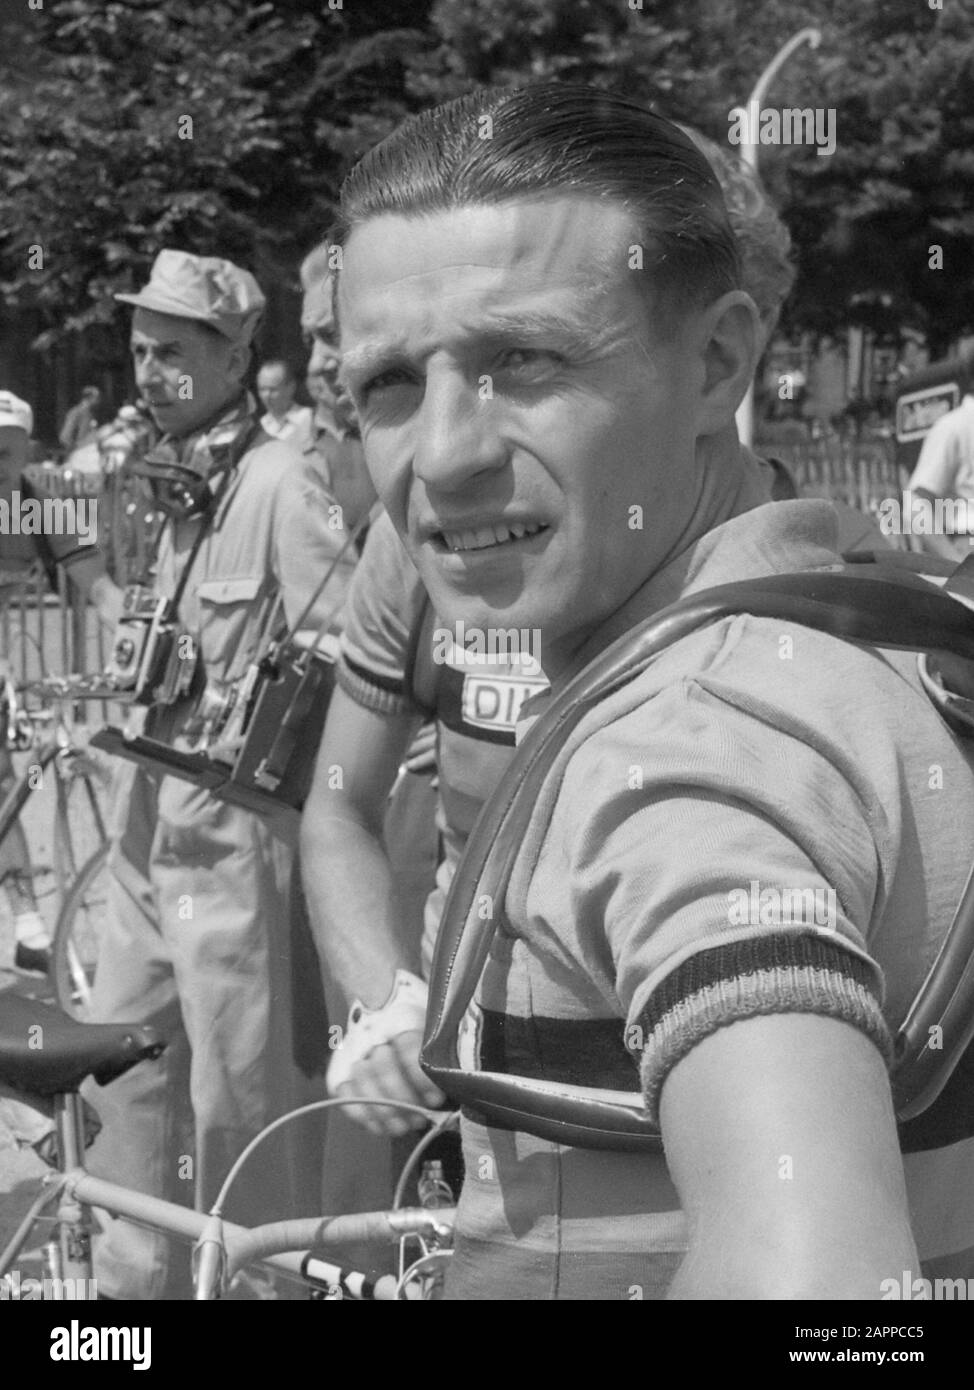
196	936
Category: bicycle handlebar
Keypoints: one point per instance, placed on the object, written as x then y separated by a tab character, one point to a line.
213	1235
244	1246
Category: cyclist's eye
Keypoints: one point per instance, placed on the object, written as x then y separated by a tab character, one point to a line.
384	381
530	362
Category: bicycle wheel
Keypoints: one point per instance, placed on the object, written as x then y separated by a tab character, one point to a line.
74	954
79	826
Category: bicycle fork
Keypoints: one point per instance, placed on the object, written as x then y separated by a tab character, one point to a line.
69	1256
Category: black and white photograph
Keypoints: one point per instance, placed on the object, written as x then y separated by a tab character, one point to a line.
487	666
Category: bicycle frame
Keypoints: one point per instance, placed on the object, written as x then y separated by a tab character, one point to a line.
16	799
44	753
223	1248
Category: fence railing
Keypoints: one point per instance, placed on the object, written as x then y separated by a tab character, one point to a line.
128	522
45	632
862	473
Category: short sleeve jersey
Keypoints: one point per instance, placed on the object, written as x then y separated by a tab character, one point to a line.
766	820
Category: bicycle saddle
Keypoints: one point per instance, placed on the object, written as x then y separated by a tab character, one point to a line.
878	604
44	1051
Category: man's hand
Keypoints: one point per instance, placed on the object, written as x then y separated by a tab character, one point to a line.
391	1072
379	1058
421	753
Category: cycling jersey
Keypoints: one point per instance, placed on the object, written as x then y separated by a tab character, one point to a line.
476	698
764	820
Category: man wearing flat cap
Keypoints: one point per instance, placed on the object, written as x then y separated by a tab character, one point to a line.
196	935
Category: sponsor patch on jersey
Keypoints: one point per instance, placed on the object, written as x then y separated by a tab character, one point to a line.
492	700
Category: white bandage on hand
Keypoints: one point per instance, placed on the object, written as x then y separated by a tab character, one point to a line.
403	1012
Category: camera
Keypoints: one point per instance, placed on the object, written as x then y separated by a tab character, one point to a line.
152	662
282	719
219	718
255	741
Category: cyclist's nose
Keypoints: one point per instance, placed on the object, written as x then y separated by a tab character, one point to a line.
458	433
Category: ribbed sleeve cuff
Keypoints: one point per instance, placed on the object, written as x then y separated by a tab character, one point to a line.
372	691
789	973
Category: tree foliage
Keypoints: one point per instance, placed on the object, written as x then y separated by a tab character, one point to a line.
284	95
223	127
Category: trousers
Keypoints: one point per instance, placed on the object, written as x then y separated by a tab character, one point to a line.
197	941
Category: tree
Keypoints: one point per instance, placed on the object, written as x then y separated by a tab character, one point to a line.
283	96
223	127
901	183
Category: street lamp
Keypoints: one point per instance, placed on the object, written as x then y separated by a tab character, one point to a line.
749	158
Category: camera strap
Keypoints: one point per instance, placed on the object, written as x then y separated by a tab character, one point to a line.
332	613
237	451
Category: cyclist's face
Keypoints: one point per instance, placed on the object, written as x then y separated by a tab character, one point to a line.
518	409
185	373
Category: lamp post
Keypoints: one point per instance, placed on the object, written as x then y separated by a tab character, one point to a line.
749	158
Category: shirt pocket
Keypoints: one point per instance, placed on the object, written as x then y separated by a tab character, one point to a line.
231	618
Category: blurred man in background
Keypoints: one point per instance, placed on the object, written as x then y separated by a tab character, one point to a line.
282	419
944	474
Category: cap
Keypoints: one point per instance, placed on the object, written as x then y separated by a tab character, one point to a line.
203	288
317	308
16	413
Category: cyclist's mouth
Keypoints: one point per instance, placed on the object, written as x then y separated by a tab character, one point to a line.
497	536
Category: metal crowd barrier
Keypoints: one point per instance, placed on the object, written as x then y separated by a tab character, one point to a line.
54	632
862	473
128	524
